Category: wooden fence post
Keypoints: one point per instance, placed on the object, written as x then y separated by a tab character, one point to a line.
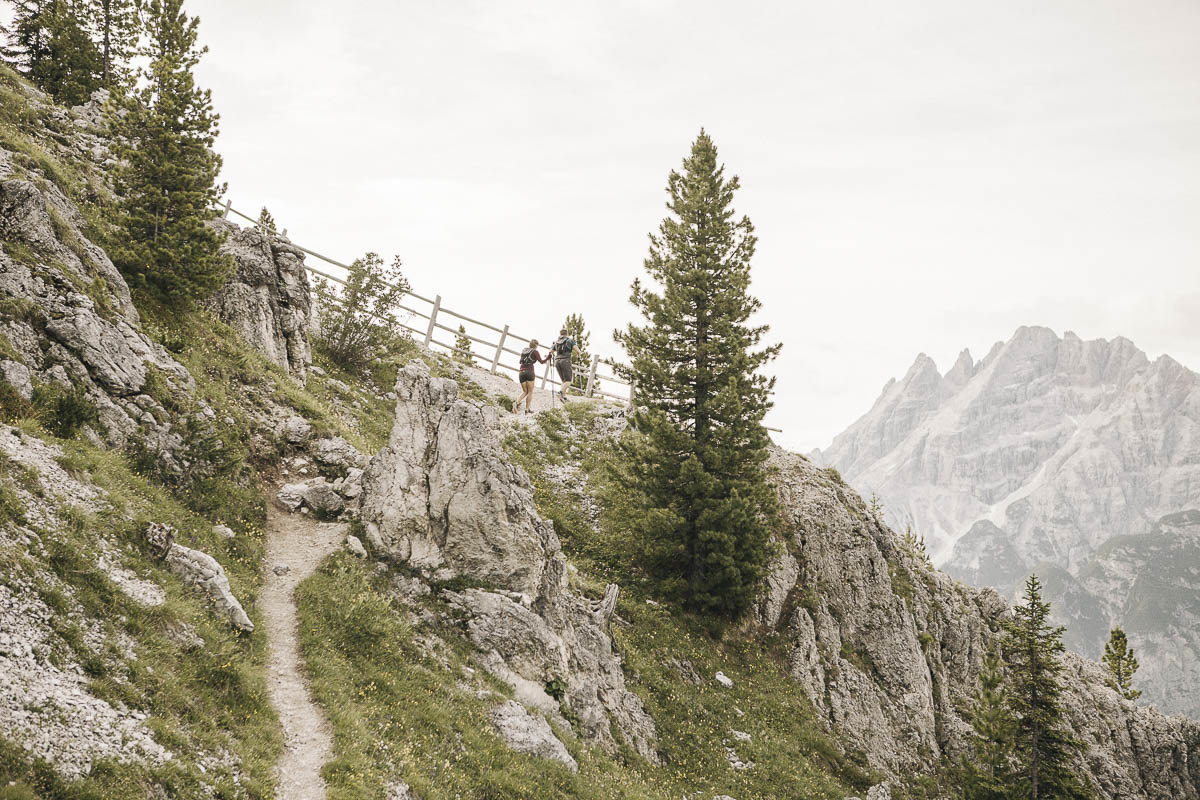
228	205
437	303
499	349
632	391
546	373
591	376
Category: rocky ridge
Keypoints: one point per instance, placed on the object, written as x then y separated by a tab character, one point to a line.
1041	457
889	649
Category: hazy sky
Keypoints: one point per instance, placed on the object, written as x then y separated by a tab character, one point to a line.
923	176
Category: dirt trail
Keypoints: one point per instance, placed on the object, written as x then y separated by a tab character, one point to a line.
301	544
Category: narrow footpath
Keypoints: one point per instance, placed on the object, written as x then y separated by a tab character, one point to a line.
299	543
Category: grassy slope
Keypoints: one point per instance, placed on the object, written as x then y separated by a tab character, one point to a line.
206	700
400	713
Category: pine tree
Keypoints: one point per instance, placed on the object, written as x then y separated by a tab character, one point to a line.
462	347
265	220
116	24
913	544
1043	746
71	70
701	504
360	323
26	40
50	45
986	774
1119	658
577	330
875	505
168	180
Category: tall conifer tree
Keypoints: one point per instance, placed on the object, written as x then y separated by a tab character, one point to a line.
696	476
987	773
26	40
50	44
168	181
115	23
1044	748
1119	658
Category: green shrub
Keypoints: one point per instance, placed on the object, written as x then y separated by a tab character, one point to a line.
64	411
358	322
13	407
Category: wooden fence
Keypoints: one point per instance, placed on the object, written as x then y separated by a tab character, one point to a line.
493	352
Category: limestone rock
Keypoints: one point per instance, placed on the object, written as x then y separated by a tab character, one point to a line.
444	498
199	569
889	650
355	546
267	298
315	494
296	430
337	452
530	734
18	376
440	451
76	325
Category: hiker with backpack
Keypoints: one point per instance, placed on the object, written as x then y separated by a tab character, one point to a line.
529	358
563	348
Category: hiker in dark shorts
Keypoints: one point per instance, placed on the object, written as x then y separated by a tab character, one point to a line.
563	348
529	357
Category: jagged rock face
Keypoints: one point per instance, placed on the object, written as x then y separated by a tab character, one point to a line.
443	497
889	649
1033	459
70	320
267	298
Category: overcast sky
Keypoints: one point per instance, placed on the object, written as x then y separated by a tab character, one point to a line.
923	176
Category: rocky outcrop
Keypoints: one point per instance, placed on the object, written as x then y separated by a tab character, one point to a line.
1036	458
444	498
888	650
200	570
69	322
267	298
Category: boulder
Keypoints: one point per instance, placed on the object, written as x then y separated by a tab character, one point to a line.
338	453
296	430
530	734
19	376
201	570
355	546
315	494
441	450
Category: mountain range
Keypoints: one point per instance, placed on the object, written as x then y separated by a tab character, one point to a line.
1078	460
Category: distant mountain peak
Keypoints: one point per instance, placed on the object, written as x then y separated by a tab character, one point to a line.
1043	451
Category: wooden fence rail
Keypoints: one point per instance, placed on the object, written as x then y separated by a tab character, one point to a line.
495	350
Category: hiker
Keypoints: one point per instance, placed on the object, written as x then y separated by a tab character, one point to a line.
563	348
529	357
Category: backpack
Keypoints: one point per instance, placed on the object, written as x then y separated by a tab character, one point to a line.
564	346
528	357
